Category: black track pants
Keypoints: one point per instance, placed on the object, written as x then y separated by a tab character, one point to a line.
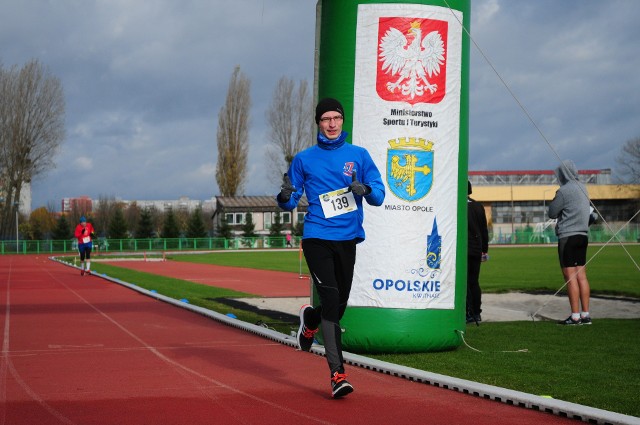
474	293
331	265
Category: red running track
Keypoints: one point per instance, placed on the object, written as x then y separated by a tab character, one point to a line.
82	350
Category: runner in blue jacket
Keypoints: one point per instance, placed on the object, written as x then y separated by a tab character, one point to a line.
336	177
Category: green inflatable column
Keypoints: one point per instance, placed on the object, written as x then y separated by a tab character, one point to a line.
401	70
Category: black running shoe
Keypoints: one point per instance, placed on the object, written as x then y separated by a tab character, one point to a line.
340	387
569	321
305	335
585	320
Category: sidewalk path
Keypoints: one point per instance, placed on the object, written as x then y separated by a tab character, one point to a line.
513	306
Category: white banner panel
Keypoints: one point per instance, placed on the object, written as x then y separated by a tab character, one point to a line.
407	114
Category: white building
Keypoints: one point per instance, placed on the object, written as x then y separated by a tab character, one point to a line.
181	204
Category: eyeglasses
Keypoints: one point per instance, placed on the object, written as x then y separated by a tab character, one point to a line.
326	120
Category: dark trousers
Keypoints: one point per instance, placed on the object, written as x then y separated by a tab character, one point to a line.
85	251
474	293
331	265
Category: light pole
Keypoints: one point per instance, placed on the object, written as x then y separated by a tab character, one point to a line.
513	218
544	204
17	206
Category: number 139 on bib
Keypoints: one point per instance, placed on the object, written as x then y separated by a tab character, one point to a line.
338	202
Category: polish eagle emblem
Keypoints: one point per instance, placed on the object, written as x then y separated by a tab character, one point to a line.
414	63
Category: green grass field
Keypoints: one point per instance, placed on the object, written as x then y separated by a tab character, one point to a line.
611	271
529	269
591	365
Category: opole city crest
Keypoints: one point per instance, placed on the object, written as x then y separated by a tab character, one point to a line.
410	167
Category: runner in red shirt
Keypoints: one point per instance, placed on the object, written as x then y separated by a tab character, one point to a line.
85	234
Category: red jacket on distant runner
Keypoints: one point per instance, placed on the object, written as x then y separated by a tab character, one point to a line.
84	233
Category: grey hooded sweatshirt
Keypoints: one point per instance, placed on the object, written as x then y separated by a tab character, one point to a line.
571	204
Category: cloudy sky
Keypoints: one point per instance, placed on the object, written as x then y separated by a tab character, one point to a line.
145	80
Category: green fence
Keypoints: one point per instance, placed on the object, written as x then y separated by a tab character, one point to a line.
145	245
528	236
519	237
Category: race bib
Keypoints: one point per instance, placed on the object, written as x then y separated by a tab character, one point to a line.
338	202
86	239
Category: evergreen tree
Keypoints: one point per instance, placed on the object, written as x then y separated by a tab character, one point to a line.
196	228
249	227
171	228
26	230
248	230
62	230
276	226
118	225
224	230
298	229
145	225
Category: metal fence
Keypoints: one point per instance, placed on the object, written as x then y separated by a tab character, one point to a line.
519	237
145	245
547	236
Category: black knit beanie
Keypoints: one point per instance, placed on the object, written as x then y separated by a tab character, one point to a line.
328	104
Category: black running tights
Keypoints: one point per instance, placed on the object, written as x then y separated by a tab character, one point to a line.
331	265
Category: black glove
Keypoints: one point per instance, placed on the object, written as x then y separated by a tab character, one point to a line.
357	187
286	189
93	235
84	230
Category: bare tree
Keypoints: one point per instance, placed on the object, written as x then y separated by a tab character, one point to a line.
103	213
52	206
132	216
32	111
629	161
80	207
290	118
233	136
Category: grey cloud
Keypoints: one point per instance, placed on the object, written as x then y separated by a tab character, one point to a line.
144	82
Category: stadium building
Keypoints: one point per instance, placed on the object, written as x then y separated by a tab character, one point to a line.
515	200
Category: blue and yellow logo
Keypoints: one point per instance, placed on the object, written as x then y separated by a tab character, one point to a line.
410	167
434	247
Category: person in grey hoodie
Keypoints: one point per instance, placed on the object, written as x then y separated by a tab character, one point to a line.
570	207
